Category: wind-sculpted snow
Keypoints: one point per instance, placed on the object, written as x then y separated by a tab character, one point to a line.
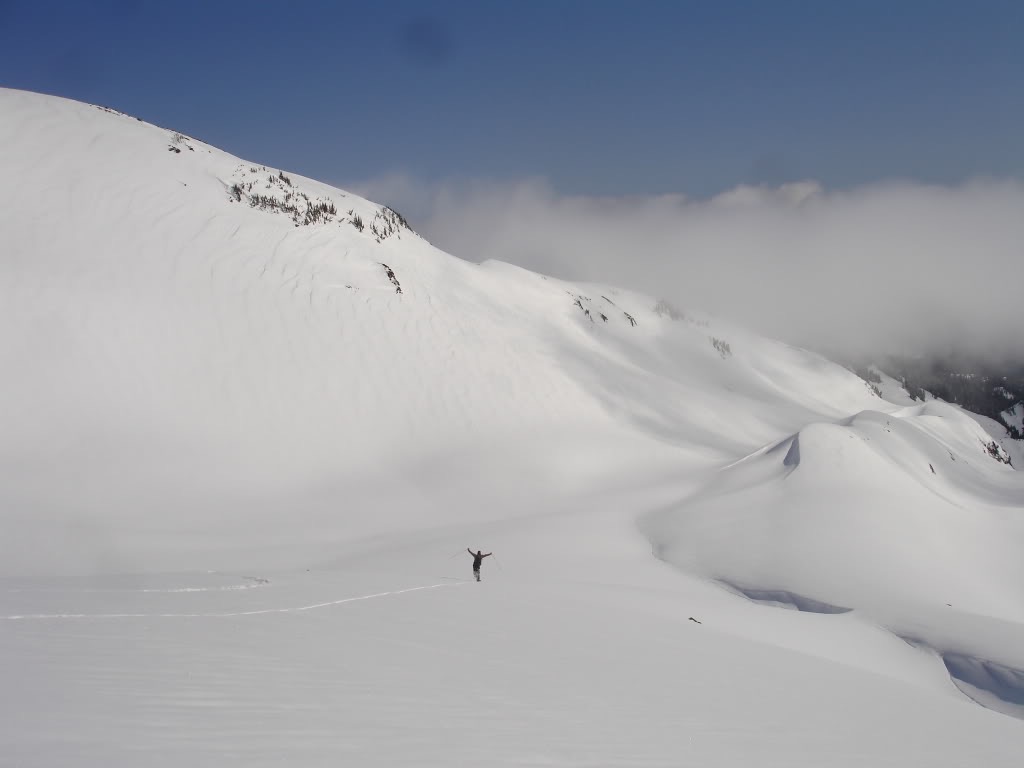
904	517
980	677
252	422
783	599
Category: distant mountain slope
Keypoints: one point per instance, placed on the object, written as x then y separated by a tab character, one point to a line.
994	391
193	340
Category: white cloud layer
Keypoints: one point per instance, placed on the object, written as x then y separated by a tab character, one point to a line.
891	267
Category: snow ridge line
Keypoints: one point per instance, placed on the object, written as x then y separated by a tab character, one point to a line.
22	617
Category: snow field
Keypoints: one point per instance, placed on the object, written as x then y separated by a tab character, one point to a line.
239	470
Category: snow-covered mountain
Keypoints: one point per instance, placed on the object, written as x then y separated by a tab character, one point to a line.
992	389
252	423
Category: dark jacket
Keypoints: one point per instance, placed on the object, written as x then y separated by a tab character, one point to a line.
477	558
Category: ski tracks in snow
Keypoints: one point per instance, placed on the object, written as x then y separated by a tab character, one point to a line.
226	615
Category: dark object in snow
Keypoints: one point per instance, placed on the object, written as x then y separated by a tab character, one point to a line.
391	276
996	451
695	621
721	345
478	559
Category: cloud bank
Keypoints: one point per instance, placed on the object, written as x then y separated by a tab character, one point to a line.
894	267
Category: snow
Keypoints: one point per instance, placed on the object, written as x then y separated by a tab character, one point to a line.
240	468
894	392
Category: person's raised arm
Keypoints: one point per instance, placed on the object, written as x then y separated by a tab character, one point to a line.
470	551
488	554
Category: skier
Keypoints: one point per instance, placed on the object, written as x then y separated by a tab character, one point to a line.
478	558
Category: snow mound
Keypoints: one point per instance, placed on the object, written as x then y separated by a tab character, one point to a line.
907	518
900	495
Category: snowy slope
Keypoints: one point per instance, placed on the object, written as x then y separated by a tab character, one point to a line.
170	346
252	422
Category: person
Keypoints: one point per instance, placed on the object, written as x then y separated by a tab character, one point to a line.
478	558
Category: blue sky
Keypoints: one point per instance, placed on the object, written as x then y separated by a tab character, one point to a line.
600	98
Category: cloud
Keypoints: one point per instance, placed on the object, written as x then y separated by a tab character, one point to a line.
894	267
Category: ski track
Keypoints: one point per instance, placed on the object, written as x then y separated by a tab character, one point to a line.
256	582
261	611
176	590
